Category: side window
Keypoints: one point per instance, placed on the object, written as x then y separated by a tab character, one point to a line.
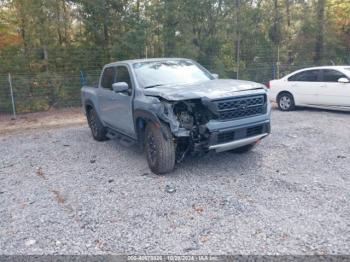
305	76
123	75
331	75
108	78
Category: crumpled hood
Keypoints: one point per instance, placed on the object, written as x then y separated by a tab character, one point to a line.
211	89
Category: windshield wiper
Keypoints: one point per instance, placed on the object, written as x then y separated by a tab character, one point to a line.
153	86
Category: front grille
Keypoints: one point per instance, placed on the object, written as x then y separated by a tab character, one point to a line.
254	131
239	133
226	137
234	108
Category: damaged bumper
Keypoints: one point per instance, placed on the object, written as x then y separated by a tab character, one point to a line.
237	144
228	139
228	135
220	125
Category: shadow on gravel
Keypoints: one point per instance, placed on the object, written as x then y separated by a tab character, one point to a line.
225	162
320	110
210	163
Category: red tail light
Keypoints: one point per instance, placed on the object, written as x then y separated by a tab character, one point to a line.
268	85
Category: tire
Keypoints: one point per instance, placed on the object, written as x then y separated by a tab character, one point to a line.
285	102
243	149
160	148
97	129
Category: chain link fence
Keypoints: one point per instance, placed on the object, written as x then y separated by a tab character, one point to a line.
40	92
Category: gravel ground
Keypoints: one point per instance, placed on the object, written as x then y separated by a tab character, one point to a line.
64	193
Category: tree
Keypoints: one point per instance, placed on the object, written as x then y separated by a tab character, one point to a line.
46	40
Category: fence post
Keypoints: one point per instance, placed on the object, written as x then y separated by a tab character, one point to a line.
13	100
278	62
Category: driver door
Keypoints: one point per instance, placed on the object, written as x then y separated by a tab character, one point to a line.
116	108
122	117
106	95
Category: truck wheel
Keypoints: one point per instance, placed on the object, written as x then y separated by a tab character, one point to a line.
285	102
243	149
160	148
97	129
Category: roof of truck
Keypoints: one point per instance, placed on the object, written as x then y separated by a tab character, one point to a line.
133	61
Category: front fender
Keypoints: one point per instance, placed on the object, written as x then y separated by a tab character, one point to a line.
145	115
87	103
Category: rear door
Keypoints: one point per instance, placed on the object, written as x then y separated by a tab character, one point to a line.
303	85
332	93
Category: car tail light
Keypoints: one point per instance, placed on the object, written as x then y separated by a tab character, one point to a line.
268	84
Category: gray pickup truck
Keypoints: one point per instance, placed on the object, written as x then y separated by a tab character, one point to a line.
174	106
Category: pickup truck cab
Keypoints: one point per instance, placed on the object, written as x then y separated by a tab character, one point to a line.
174	106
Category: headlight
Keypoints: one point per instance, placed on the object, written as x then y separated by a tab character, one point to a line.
185	119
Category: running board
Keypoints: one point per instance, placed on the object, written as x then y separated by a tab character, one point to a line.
122	139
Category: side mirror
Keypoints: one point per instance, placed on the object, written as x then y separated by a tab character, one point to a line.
216	76
343	80
120	87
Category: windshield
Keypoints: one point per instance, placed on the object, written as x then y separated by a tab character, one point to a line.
156	73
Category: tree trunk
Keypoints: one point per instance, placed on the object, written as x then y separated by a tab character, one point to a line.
169	27
24	38
320	31
106	42
66	22
58	22
238	36
290	58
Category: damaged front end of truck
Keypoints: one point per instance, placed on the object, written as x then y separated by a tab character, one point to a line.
222	123
187	120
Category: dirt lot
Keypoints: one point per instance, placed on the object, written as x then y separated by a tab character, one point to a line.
64	193
50	119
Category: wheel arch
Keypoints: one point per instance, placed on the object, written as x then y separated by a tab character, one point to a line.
88	105
141	118
285	92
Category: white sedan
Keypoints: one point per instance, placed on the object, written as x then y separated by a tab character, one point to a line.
322	87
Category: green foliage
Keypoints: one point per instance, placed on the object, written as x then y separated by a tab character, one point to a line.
46	43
